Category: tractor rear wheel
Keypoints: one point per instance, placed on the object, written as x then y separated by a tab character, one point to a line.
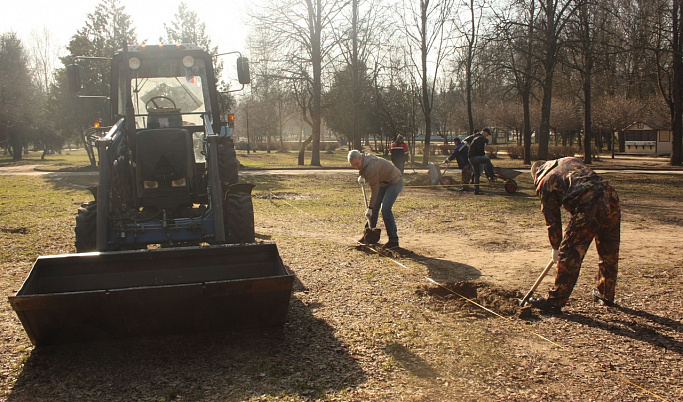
238	214
86	227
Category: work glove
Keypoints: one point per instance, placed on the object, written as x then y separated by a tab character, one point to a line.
361	180
556	256
445	160
368	213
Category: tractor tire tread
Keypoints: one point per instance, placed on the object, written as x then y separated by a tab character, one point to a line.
86	227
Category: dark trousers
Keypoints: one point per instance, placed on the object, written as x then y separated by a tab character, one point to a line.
477	162
466	174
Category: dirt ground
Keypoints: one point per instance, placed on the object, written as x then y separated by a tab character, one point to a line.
436	320
590	352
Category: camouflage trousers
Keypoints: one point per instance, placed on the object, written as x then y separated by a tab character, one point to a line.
599	218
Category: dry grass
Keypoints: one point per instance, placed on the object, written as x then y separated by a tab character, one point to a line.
367	327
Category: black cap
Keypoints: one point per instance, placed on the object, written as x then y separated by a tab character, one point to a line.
488	130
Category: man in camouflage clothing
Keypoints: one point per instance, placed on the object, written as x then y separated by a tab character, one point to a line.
595	213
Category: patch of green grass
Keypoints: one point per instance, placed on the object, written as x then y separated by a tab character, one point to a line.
290	159
37	217
67	160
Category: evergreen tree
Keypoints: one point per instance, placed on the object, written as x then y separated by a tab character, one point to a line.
17	93
187	28
338	104
105	32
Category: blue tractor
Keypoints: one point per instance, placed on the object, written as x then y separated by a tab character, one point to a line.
168	170
168	177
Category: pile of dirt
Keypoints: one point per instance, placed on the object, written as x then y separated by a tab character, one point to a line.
468	298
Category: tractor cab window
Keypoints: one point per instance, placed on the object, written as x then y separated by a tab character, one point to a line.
167	93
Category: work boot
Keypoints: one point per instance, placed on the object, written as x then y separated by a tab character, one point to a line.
362	240
601	300
390	244
544	305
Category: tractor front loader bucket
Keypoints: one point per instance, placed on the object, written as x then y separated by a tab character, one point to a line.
107	295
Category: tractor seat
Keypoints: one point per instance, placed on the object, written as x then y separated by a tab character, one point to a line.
170	147
164	117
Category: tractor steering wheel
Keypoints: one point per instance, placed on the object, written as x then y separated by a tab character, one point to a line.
156	105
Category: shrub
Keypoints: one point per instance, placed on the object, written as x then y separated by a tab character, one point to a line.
515	151
492	151
561	151
554	152
444	149
329	146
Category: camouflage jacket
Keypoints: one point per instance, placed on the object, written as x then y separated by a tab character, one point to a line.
565	182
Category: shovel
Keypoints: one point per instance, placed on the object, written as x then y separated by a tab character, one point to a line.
538	282
371	235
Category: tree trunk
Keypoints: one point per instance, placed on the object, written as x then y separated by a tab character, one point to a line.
527	126
355	135
677	96
544	130
426	105
317	86
15	143
302	150
547	84
468	71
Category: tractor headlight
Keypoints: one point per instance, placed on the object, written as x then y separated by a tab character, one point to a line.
188	61
150	185
134	63
179	183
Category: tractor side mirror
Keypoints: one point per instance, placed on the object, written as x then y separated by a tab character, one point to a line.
73	75
243	70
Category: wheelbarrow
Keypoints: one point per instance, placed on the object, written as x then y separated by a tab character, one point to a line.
507	176
436	176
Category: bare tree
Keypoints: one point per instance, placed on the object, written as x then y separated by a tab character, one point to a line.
469	28
517	26
270	92
395	93
427	36
302	31
584	46
360	37
44	56
669	56
554	17
614	112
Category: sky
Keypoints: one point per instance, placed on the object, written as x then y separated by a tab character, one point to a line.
223	19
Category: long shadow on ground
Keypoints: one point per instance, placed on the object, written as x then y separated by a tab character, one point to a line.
443	270
302	359
636	324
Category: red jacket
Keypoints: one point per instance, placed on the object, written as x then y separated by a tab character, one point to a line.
401	145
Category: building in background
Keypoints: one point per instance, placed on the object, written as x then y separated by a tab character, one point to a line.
645	138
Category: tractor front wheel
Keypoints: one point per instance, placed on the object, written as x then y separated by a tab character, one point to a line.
86	227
